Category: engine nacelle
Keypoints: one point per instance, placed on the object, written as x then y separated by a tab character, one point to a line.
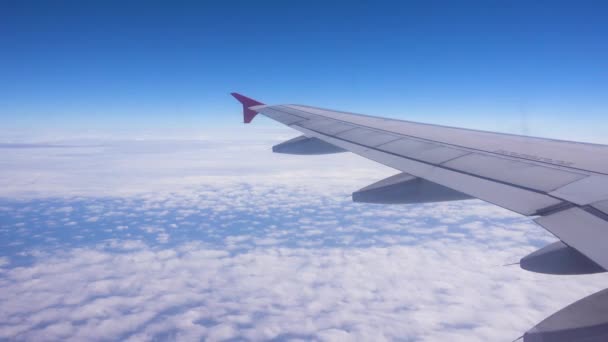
306	146
559	258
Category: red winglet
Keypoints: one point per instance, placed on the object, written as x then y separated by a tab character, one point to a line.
248	114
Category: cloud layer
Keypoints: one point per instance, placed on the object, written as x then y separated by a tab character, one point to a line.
128	290
179	241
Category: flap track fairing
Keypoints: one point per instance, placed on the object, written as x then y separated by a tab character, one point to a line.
404	188
559	258
304	145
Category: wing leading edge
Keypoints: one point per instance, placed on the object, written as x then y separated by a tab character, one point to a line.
564	184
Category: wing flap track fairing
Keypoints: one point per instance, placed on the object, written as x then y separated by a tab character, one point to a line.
404	188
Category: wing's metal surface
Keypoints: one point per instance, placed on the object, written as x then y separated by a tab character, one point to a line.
557	152
585	191
521	200
537	177
601	206
564	183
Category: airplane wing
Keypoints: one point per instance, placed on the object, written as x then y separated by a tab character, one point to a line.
563	184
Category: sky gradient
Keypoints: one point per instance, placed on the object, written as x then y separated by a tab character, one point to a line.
532	68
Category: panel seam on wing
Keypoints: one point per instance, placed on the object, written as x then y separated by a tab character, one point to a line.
534	162
439	165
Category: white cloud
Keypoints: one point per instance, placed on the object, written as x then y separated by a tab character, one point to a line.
162	237
434	291
125	168
281	251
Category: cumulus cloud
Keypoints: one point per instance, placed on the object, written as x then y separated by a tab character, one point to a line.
127	167
333	271
145	240
432	291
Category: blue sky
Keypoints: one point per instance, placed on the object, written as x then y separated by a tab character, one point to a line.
504	65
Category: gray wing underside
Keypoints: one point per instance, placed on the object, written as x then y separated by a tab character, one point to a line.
564	183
